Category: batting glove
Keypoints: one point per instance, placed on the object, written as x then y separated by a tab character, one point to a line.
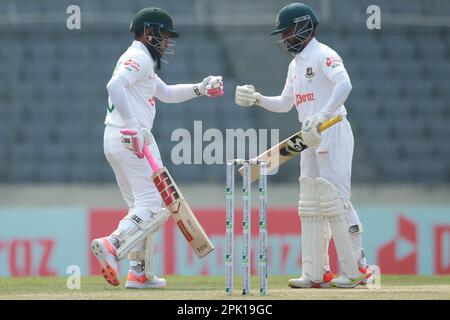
211	86
246	96
310	128
310	132
134	139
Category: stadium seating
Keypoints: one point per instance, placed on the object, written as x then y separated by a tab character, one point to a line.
53	95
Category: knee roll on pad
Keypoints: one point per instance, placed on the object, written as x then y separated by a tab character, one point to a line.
308	204
313	249
333	209
145	222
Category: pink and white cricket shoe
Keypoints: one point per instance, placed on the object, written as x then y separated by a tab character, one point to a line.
105	252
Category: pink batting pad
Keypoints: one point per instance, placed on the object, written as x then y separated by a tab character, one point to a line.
148	155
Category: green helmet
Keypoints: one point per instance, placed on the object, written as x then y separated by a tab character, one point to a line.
158	21
149	17
290	15
299	18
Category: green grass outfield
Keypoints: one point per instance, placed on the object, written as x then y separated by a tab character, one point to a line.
212	287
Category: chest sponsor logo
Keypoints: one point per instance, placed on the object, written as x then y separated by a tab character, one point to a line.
301	98
333	62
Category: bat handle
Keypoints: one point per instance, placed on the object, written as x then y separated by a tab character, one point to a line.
329	123
148	155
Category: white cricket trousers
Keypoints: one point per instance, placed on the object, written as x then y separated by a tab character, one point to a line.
133	175
332	160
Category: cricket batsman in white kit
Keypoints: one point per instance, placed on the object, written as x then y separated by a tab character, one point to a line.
317	84
131	105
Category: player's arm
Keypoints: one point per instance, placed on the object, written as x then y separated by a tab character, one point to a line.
334	70
125	75
117	91
341	89
211	86
246	96
332	67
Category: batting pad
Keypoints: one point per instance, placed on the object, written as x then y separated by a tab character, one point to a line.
332	208
143	226
313	246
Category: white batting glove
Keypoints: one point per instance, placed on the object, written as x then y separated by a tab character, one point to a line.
246	96
310	132
214	88
134	139
211	86
310	128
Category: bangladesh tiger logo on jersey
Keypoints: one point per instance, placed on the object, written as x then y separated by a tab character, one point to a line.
309	73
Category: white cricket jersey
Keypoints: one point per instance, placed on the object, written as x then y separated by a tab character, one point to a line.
309	79
137	66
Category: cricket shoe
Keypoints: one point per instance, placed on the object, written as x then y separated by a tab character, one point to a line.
305	282
346	282
139	280
105	252
365	270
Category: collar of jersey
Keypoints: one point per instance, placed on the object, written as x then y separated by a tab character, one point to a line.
140	46
308	49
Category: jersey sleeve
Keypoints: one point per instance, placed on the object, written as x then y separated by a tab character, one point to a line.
289	87
174	93
331	64
133	68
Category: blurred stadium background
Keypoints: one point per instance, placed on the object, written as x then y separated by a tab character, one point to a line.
57	187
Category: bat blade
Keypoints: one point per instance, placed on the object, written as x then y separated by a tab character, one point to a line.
181	212
285	151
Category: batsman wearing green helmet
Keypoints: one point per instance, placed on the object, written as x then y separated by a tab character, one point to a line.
317	84
133	90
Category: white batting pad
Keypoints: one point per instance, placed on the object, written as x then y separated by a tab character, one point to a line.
144	222
144	253
137	253
149	256
313	248
332	208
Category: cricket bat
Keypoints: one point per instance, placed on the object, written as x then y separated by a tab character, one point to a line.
285	150
179	208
